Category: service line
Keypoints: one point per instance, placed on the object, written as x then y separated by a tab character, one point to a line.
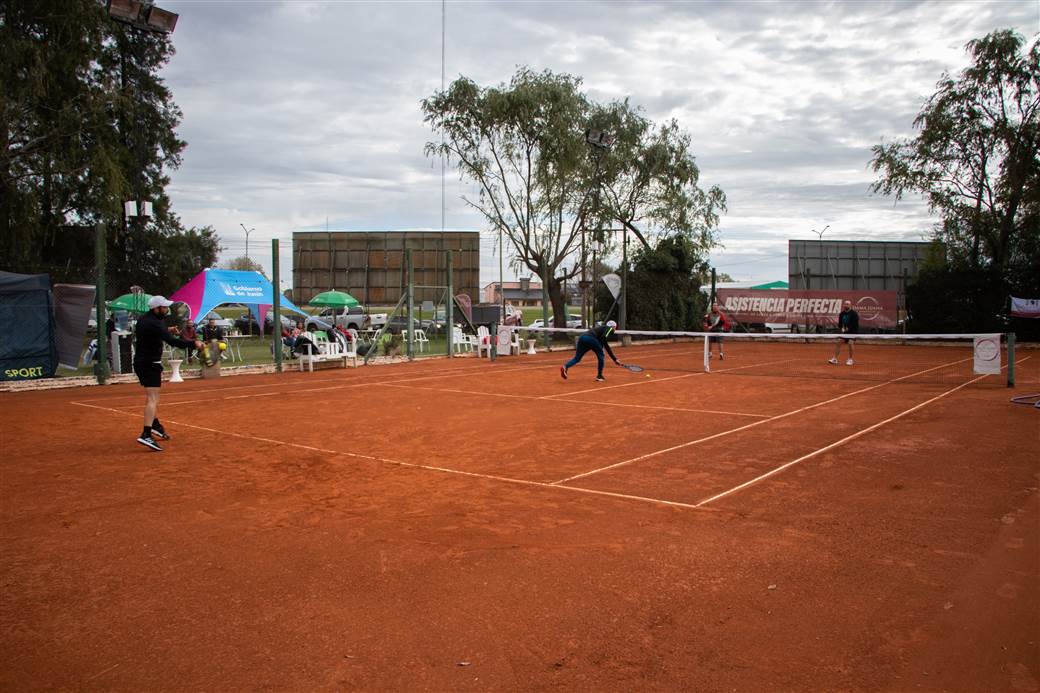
838	443
412	465
752	425
584	401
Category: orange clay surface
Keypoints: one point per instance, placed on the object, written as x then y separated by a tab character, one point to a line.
460	525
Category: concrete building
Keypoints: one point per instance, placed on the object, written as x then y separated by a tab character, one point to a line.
370	265
851	265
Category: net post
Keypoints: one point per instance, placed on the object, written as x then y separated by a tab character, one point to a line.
493	351
1011	359
707	355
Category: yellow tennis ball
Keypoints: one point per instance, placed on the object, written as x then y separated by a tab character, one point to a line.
648	375
222	346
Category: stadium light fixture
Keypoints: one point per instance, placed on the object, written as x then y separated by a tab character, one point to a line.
599	139
143	15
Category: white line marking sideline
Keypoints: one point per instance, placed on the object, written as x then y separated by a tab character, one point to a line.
835	444
399	463
750	425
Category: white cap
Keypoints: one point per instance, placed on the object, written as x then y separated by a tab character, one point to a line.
611	323
159	302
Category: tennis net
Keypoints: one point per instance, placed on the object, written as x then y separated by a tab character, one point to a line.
942	358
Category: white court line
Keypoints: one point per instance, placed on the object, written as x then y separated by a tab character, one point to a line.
459	373
837	443
750	425
463	370
523	482
584	401
399	463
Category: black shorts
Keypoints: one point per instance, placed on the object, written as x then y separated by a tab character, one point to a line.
149	373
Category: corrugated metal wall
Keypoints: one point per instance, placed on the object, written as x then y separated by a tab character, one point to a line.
847	265
370	265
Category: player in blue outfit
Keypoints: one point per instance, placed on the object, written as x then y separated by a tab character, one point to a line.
594	340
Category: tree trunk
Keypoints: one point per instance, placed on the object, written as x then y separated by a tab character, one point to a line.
556	299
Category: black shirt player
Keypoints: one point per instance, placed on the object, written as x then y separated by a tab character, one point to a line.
151	333
848	323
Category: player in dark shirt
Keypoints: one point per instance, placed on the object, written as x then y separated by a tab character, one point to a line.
848	323
151	332
594	340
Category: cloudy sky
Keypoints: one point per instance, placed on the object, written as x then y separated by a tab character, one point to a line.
301	115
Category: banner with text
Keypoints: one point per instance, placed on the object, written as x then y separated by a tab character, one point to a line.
877	309
1025	307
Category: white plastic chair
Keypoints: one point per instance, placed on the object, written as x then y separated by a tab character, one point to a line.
460	342
421	340
514	342
483	341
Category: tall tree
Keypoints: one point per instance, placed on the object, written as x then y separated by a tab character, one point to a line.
650	180
524	145
90	124
243	263
975	158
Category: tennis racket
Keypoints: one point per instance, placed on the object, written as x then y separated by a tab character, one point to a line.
632	367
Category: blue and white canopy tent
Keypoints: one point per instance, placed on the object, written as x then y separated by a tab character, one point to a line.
214	287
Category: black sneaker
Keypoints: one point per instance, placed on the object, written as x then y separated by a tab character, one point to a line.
149	442
600	379
159	433
563	372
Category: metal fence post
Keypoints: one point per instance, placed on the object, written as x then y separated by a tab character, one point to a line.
449	312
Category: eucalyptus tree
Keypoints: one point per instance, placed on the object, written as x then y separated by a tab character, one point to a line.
540	184
975	158
89	125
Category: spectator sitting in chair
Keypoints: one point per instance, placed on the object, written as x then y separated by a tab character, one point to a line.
188	332
213	331
290	337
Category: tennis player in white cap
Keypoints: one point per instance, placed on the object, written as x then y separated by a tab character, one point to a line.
151	332
594	340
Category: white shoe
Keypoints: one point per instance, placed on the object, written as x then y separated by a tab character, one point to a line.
834	361
849	362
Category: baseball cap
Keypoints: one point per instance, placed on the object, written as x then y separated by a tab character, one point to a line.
611	323
159	302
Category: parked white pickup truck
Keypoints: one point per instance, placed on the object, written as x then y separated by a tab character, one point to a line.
356	318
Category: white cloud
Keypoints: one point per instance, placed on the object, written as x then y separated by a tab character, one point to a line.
298	112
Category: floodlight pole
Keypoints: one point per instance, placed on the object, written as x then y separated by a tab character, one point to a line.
599	141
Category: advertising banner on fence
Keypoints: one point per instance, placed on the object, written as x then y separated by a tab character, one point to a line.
877	309
1025	307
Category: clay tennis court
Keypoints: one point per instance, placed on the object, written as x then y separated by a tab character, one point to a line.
465	525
